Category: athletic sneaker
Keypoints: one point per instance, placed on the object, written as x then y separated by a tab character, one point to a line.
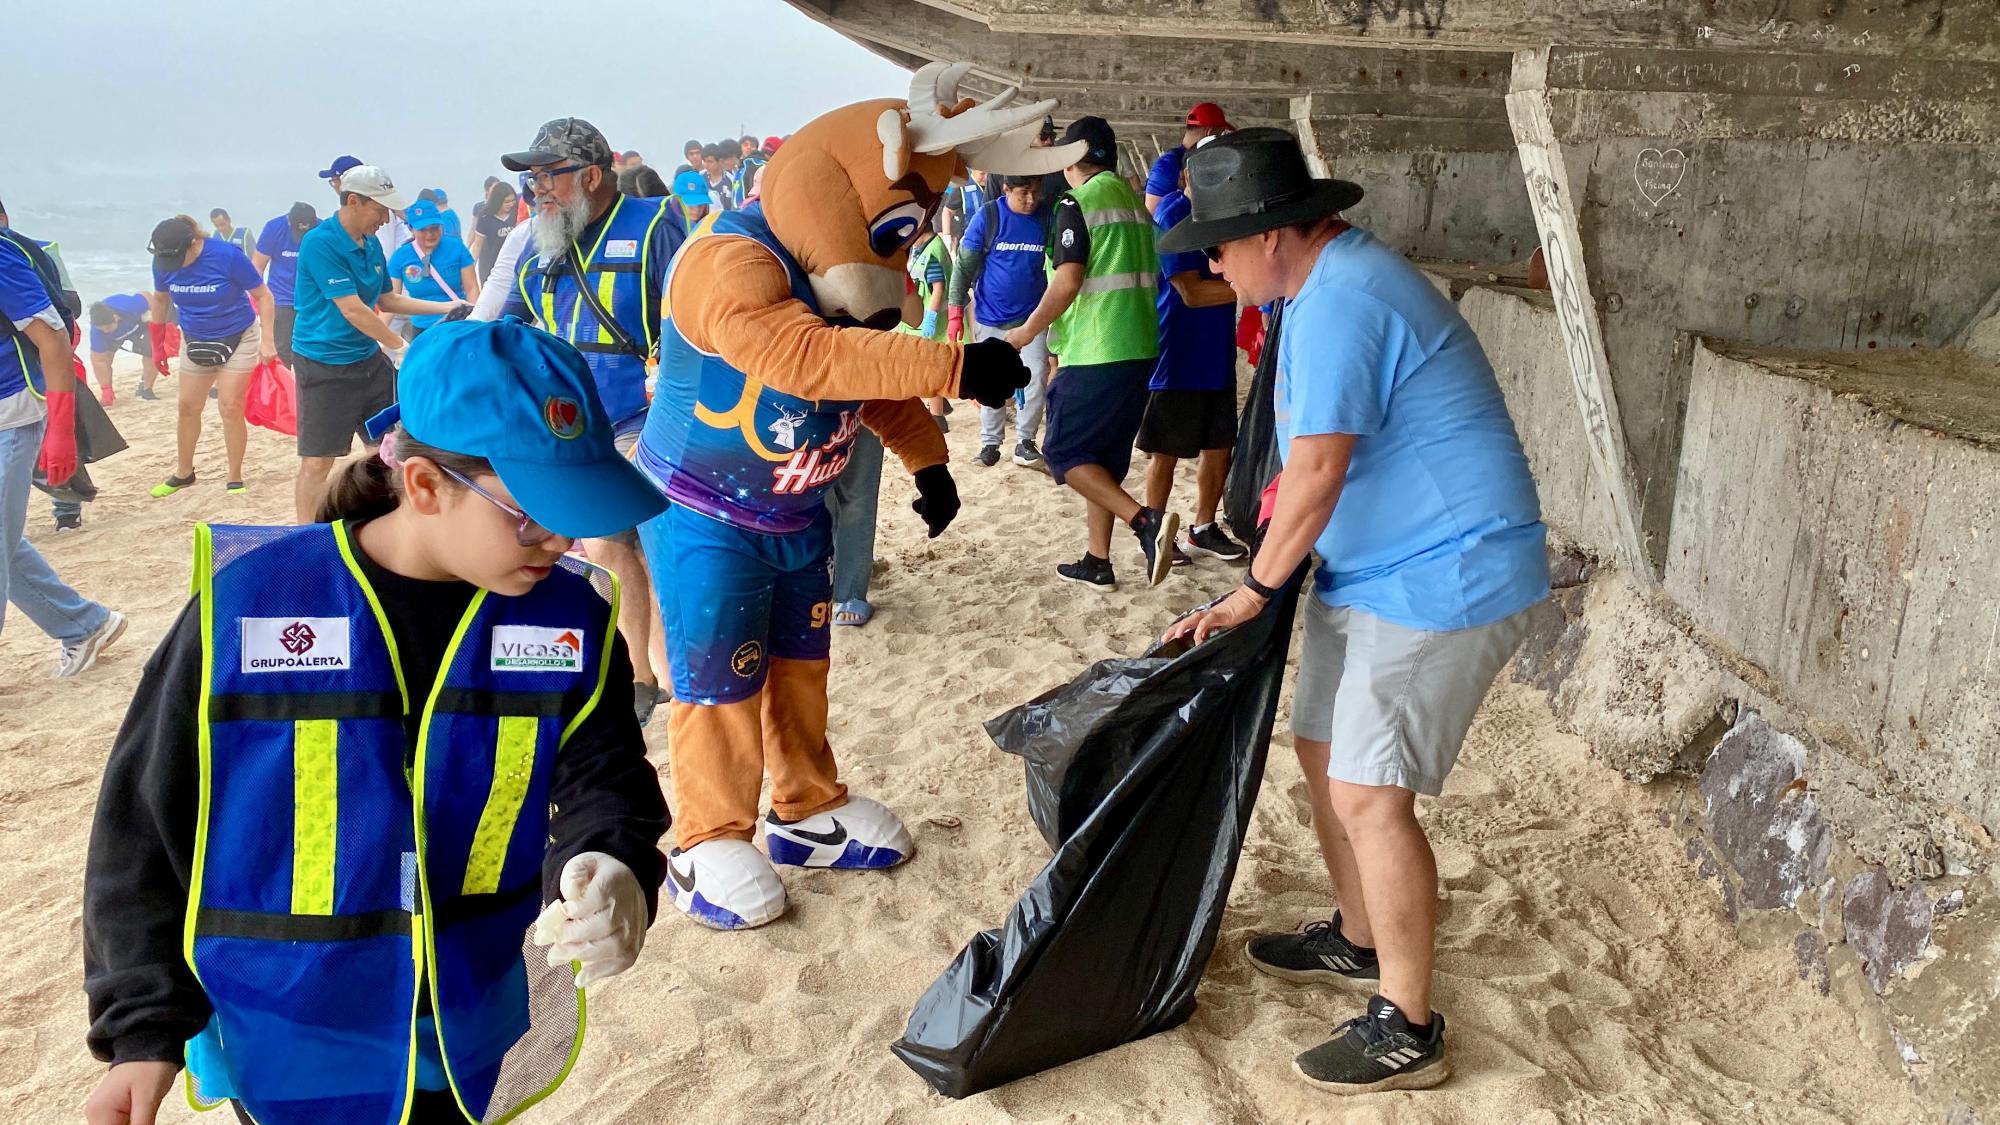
69	521
1089	570
1211	540
989	455
645	697
1315	953
78	657
725	885
1027	455
1378	1051
1156	531
1180	559
861	834
147	394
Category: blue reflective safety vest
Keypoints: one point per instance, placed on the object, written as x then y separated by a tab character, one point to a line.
24	359
616	267
725	445
338	868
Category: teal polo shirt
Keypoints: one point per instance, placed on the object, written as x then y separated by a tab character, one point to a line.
333	265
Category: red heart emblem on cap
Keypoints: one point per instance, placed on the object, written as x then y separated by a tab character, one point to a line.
563	416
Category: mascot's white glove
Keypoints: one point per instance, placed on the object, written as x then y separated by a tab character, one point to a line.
600	921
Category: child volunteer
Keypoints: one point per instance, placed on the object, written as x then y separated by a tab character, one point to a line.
363	758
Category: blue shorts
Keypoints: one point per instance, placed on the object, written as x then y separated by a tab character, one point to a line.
1094	415
731	599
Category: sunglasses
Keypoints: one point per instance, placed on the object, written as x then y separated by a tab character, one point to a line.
1214	253
544	178
527	532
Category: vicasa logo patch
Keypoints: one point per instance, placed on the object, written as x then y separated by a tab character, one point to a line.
563	416
621	248
532	648
294	644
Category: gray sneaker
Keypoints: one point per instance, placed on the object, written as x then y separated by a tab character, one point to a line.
1315	954
79	657
1378	1051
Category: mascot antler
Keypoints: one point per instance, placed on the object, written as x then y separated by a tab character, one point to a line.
992	136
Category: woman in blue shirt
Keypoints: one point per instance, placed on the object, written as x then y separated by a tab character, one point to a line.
433	265
225	316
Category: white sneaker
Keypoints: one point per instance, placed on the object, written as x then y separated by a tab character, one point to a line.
725	885
859	834
80	656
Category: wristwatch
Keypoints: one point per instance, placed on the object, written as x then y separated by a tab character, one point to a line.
1256	587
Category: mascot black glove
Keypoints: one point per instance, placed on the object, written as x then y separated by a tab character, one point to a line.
937	496
993	371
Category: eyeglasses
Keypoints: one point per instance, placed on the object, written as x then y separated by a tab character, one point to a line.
543	179
527	532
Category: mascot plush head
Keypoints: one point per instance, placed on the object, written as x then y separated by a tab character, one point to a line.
849	191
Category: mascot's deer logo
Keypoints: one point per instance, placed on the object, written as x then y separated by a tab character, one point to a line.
785	431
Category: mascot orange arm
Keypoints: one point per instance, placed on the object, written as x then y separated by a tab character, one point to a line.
730	297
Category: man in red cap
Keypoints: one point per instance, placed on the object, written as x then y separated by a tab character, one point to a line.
1206	119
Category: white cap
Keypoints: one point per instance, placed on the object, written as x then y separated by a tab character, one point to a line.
373	182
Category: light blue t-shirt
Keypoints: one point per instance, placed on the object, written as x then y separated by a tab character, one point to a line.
1438	526
450	260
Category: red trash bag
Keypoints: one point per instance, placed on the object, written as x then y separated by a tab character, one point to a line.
273	400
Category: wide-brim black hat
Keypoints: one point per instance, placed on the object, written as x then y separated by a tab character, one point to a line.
1248	182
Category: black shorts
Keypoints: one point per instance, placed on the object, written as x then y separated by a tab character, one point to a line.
1094	412
336	399
1188	423
281	333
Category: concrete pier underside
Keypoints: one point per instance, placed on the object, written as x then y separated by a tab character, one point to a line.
1758	397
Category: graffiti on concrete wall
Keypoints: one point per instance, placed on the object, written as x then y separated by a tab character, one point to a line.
1658	172
1423	16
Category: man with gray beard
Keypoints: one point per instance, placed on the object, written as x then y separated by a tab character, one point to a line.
618	246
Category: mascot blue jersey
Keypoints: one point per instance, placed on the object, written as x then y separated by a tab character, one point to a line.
720	443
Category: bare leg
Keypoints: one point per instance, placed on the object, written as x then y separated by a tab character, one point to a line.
1210	478
187	424
635	620
311	485
1094	483
1399	880
1099	523
1333	845
657	650
1159	479
234	387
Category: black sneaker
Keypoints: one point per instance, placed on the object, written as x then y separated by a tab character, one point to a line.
1316	953
1091	571
989	455
69	521
1180	558
1216	544
1027	455
1156	530
1378	1051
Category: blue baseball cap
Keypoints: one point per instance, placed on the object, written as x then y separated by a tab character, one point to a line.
691	188
339	167
423	213
525	401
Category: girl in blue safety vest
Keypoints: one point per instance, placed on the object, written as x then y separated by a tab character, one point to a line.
335	827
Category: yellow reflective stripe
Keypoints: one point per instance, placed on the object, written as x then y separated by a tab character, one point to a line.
606	283
341	540
603	661
315	813
513	765
204	587
1112	282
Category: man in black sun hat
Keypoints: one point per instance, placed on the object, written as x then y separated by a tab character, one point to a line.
1404	474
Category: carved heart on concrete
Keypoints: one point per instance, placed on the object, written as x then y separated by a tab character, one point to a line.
1658	172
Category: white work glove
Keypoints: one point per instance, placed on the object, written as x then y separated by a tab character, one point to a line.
600	920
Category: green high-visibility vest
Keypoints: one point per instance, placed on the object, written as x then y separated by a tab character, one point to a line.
1113	317
919	270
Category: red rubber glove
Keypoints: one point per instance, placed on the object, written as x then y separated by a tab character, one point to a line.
58	460
954	327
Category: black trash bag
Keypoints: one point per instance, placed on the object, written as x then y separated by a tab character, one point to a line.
1255	459
1148	770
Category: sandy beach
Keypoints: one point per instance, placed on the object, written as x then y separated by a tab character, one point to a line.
1587	973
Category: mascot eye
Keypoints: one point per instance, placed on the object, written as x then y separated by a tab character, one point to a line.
895	228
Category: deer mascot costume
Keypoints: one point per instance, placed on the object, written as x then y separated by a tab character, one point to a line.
775	351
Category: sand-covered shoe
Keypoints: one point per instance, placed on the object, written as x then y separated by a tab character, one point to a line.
725	885
859	834
1378	1051
1315	954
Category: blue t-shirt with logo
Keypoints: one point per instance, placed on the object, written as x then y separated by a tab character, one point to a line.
212	293
1438	526
1197	346
278	243
449	260
131	309
334	264
1015	271
1164	178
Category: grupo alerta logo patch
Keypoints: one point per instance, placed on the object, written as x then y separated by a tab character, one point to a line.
294	644
563	416
533	648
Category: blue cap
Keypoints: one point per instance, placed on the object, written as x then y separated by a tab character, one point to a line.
423	213
441	196
691	188
524	401
339	167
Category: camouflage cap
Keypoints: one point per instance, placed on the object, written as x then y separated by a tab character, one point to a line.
566	140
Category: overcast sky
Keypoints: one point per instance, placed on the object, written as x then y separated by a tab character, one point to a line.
231	95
